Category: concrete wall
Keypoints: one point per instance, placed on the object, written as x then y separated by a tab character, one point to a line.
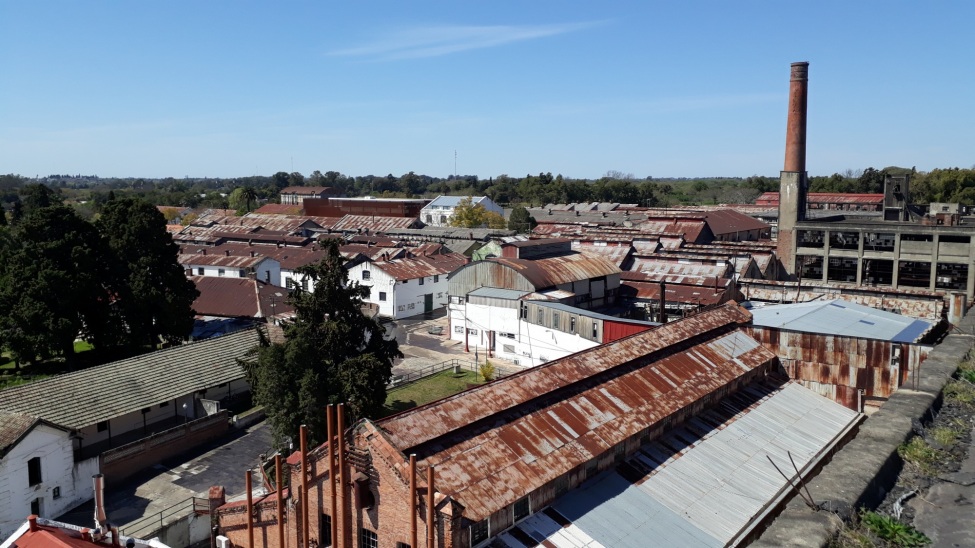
123	462
867	467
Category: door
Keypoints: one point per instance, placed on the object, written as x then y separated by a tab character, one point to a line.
428	302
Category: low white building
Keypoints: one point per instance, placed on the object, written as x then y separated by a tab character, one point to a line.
38	471
529	330
439	211
415	283
228	265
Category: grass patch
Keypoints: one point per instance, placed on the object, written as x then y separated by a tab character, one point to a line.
920	455
432	388
961	392
82	346
873	530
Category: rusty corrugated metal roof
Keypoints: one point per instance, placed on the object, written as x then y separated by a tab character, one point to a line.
413	266
373	223
494	443
551	271
909	302
239	298
616	254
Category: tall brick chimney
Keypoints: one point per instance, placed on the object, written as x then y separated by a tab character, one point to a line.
793	179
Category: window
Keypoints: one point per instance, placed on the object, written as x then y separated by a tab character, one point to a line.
102	426
522	508
241	273
405	282
34	471
541	316
368	291
164	404
436	278
382	295
479	532
561	485
421	280
56	493
507	335
591	468
221	272
145	410
368	539
35	507
524	311
509	348
304	284
289	282
402	545
555	320
472	331
595	330
366	275
199	271
325	531
443	218
458	329
429	218
572	324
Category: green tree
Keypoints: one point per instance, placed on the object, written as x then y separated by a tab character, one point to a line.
470	215
242	199
37	196
332	353
521	221
52	289
153	297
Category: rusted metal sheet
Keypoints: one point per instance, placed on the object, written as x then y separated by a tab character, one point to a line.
494	443
219	259
411	266
919	304
662	267
373	223
681	294
615	254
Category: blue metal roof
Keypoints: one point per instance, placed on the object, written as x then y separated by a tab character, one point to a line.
838	317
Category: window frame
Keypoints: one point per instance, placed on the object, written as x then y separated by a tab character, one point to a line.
35	475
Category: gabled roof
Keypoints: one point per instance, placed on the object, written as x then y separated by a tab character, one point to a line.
729	221
837	317
279	209
496	442
310	190
239	298
96	394
14	426
422	266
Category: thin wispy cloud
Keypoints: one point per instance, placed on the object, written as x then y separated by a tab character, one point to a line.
435	41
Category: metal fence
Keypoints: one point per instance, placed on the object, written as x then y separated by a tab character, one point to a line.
149	526
415	375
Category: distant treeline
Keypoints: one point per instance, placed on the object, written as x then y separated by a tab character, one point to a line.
89	192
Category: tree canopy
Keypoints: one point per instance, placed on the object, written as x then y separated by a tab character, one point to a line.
153	297
332	353
521	221
470	215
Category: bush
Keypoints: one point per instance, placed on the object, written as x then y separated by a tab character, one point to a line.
487	371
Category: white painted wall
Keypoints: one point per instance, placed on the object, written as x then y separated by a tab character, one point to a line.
532	344
268	270
58	469
440	215
403	298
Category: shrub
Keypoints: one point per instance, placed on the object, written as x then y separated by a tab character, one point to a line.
487	371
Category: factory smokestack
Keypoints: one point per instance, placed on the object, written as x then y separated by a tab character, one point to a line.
795	133
793	179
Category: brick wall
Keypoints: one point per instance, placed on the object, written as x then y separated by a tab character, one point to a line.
122	462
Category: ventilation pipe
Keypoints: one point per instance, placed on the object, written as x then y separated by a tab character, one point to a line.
99	487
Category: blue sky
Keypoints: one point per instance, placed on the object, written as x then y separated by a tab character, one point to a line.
665	89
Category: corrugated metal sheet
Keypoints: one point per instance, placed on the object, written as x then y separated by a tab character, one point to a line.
373	223
219	259
495	443
700	485
681	294
616	254
420	266
552	271
662	267
924	305
837	317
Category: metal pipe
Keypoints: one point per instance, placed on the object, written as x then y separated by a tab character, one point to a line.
340	420
330	419
99	487
303	437
250	510
430	523
663	303
413	535
279	499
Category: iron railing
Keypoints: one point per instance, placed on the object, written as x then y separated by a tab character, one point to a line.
149	526
423	372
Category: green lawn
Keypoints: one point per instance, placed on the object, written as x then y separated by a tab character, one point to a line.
429	389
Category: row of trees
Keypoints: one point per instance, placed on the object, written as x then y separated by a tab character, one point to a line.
114	282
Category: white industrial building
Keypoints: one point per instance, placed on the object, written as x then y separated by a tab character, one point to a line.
440	210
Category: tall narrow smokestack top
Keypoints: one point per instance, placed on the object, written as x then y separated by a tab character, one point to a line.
795	135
